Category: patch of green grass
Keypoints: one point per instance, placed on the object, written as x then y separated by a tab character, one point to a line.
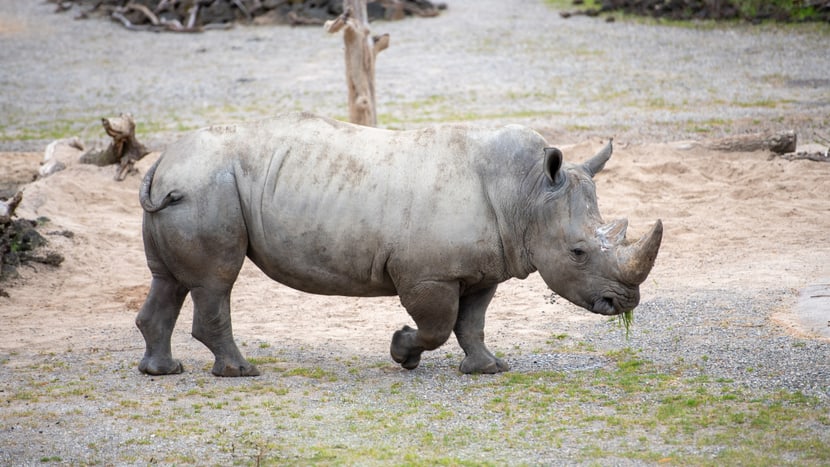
793	10
265	360
51	130
313	373
389	120
659	103
533	95
763	103
706	126
682	411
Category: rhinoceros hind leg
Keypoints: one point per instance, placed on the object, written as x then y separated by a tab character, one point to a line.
469	330
156	321
434	307
212	327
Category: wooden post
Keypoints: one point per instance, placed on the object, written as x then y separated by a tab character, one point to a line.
361	50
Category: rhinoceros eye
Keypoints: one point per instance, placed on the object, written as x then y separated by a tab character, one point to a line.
579	254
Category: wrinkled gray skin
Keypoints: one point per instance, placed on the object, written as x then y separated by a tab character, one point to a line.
438	216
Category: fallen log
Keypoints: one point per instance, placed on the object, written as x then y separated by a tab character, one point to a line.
779	143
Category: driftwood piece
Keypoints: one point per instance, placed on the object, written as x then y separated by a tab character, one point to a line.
819	152
816	156
124	149
59	154
779	143
361	51
156	23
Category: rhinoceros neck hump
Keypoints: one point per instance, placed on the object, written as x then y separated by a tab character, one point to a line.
511	165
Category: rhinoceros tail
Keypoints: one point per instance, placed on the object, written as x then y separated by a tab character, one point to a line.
144	192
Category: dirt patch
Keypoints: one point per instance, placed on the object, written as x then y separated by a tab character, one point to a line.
19	168
132	297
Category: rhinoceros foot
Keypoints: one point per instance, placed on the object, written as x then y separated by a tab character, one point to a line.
160	366
233	369
483	363
403	351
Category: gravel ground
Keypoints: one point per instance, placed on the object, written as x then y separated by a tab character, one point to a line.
483	61
319	406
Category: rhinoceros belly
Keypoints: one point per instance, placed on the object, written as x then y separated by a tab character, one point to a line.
346	215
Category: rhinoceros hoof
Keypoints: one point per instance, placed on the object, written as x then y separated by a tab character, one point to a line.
487	365
402	353
412	362
158	366
231	370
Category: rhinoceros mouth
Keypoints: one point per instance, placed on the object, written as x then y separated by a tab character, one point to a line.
605	306
612	305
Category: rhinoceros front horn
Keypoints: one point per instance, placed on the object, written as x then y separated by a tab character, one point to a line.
637	259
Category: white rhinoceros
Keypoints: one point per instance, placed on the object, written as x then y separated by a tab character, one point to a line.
438	216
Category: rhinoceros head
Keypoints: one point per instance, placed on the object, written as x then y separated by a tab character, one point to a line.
585	260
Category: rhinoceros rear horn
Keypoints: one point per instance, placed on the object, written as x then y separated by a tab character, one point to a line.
553	162
595	164
637	259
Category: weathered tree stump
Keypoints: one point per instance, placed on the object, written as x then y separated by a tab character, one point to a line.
361	50
124	150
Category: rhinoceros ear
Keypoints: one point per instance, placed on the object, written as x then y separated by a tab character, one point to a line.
553	162
595	164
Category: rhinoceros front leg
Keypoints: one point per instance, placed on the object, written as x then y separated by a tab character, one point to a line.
469	330
156	320
434	307
212	327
